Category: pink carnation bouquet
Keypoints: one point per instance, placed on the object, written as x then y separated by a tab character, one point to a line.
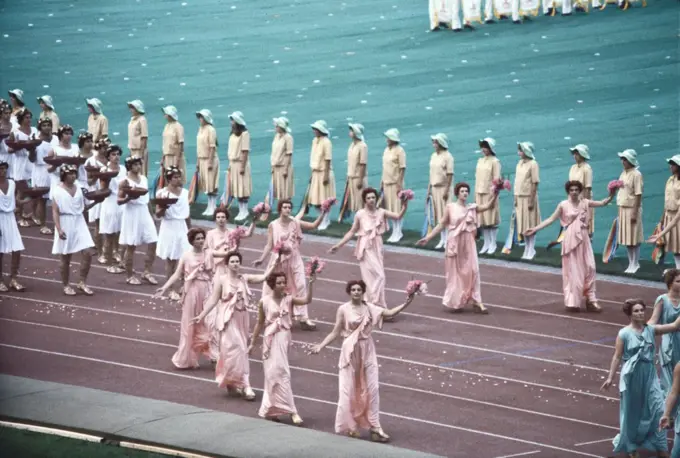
500	184
614	186
405	194
416	287
261	208
281	248
327	204
314	266
236	235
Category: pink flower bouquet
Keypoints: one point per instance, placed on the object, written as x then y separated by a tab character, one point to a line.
416	287
236	235
500	184
614	186
327	204
281	248
405	194
314	266
261	208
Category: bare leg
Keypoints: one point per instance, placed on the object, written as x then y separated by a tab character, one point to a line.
65	270
148	263
14	272
99	243
129	266
85	263
3	286
170	267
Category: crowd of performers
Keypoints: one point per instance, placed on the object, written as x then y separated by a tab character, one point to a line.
448	13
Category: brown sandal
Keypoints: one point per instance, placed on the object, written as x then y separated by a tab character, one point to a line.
16	286
593	307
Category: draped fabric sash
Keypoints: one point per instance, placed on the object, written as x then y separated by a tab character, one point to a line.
236	301
574	230
370	235
280	323
468	222
645	339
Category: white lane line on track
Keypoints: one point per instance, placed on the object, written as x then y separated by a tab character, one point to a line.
330	374
387	358
609	439
321	401
393	334
435	318
533	452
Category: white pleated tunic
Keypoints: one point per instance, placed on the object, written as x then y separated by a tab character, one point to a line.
10	237
72	221
5	156
137	226
19	165
94	213
172	236
72	151
40	177
111	214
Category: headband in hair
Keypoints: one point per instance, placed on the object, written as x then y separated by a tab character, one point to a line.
171	171
44	121
63	129
131	160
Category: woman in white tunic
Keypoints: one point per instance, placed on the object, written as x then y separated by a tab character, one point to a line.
40	177
96	160
20	166
137	226
10	238
5	130
175	222
71	234
111	213
65	149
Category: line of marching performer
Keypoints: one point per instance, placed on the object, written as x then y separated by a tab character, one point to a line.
447	14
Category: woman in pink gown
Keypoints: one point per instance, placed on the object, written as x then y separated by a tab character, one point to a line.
231	296
193	337
286	231
461	262
578	260
369	226
274	315
358	390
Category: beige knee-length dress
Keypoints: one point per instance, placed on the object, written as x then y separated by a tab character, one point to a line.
671	207
441	166
527	211
208	164
138	129
321	157
240	180
173	147
357	155
282	166
488	169
629	232
393	162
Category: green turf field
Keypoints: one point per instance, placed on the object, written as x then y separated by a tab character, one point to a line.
605	79
25	444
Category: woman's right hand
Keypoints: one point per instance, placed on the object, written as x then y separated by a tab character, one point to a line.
664	423
62	234
197	319
605	386
422	242
653	239
315	350
529	232
160	292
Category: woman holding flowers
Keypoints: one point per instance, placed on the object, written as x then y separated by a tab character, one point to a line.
369	225
284	236
221	240
578	261
358	391
488	171
274	316
462	266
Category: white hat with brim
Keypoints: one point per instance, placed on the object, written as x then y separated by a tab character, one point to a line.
631	156
137	105
206	115
283	123
392	134
47	100
527	148
18	93
489	143
582	151
96	104
320	126
237	117
358	130
442	139
171	111
674	160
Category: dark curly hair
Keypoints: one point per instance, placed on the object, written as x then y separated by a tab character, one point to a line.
271	279
195	232
569	184
352	283
460	186
628	305
368	191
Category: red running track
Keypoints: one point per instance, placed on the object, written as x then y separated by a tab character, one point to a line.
522	381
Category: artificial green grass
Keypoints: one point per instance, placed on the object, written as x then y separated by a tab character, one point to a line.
544	257
18	443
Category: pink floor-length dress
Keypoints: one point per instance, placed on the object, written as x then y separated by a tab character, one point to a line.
358	387
369	253
233	323
278	394
578	260
193	337
461	262
216	240
291	264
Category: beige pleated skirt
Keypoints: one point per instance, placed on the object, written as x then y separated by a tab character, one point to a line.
391	201
208	180
438	202
629	234
526	218
318	192
672	238
355	201
283	186
241	186
491	217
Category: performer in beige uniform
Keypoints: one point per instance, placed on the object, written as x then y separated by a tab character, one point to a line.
239	173
97	123
322	182
357	157
488	169
583	173
441	179
207	163
671	229
173	142
527	211
47	106
138	134
282	160
394	169
629	201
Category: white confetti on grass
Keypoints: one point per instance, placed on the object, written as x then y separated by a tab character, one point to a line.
182	83
579	101
5	35
30	25
317	81
652	106
57	41
46	86
276	62
364	102
646	145
428	108
567	138
508	96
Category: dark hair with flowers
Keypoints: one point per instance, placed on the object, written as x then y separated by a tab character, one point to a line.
63	130
67	169
83	138
103	142
23	114
44	122
131	160
171	172
112	149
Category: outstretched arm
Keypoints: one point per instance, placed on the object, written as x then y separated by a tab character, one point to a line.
671	224
307	226
212	300
177	274
389	313
334	334
304	300
601	203
263	277
489	205
436	231
267	248
348	236
616	360
258	326
671	399
400	215
545	223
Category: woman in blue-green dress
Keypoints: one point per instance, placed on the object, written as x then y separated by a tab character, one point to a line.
642	401
666	311
671	406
